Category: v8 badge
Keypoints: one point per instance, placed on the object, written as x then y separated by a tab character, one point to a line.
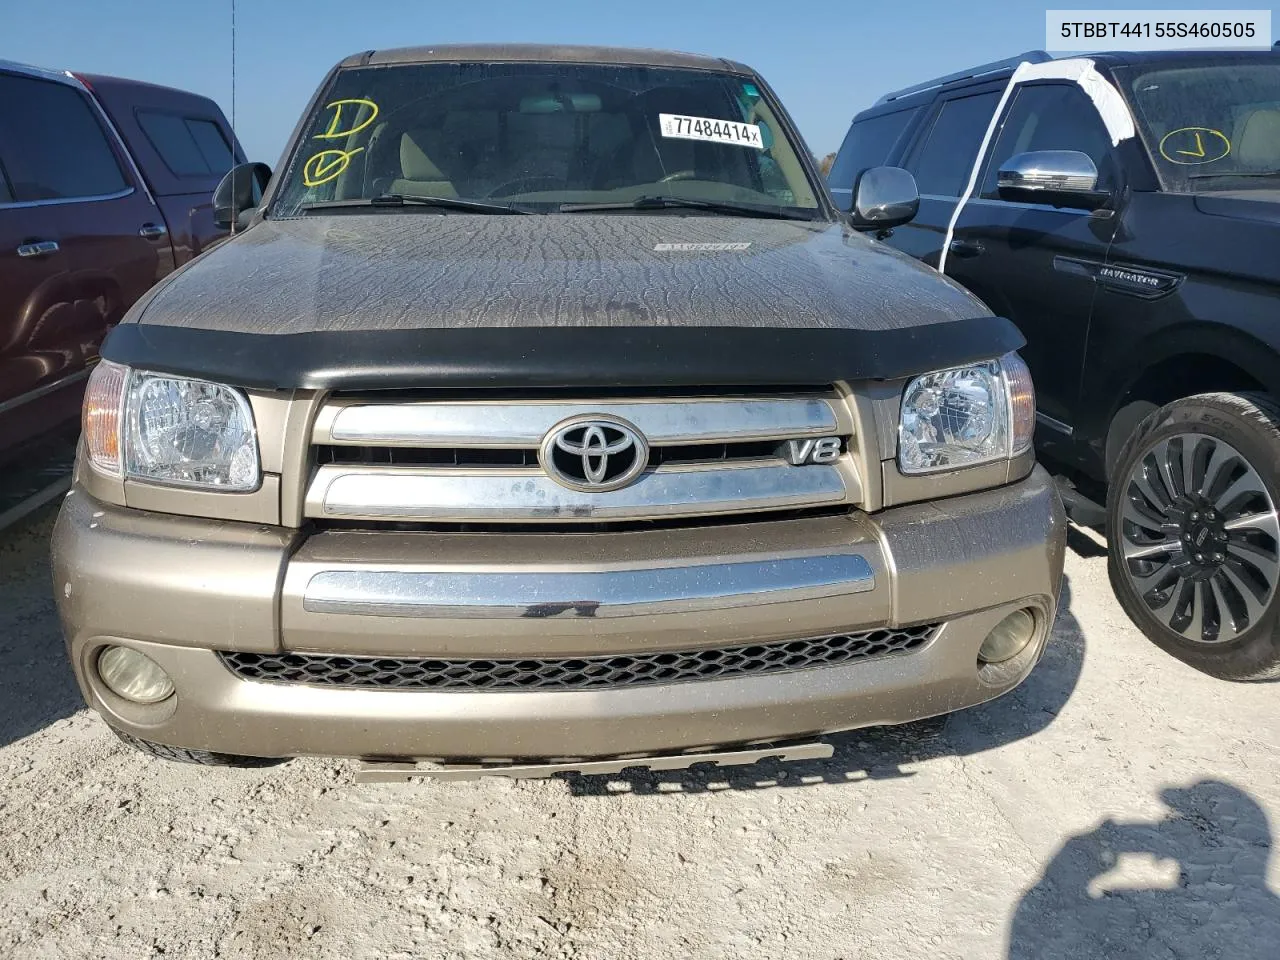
812	450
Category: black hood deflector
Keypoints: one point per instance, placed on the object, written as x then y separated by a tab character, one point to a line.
540	357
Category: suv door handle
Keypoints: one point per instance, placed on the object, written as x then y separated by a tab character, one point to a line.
966	248
152	230
38	248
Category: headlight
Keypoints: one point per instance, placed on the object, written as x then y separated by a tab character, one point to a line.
966	416
170	430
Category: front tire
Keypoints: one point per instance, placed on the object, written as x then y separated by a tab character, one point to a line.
1194	533
201	757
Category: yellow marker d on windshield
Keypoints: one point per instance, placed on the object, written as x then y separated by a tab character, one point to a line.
336	130
1194	145
326	165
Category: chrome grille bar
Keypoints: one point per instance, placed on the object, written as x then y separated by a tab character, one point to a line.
523	423
506	494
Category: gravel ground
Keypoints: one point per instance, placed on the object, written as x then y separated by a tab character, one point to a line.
1116	805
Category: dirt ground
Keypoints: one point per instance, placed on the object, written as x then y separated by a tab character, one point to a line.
1116	805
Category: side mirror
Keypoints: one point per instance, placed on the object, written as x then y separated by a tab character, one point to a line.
884	197
1062	178
239	194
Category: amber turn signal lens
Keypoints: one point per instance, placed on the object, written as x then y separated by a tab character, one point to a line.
102	414
1022	403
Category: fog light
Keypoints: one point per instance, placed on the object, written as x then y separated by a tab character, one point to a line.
1008	638
133	675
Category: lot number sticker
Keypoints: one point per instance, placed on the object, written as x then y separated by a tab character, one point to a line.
677	127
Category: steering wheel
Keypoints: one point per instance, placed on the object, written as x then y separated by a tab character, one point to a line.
680	175
526	185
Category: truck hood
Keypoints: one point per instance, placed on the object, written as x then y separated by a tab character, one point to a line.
403	271
420	300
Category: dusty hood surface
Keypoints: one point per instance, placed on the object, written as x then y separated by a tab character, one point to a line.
386	301
402	271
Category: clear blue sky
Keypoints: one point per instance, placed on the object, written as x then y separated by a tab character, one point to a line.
826	59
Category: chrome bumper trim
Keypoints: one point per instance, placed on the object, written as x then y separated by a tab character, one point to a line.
501	594
515	423
518	494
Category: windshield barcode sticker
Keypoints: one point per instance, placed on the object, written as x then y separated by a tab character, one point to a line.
705	128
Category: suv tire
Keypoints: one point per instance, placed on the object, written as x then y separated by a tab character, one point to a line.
202	757
1194	548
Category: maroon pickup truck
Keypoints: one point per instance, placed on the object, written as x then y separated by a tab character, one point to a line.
105	187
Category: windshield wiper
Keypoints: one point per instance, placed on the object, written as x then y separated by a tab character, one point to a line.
409	199
1267	174
727	207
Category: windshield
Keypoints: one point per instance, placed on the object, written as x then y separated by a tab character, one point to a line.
534	136
1214	127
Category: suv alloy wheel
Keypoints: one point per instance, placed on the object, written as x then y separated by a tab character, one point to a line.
1194	545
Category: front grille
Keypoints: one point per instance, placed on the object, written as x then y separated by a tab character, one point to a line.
388	460
576	673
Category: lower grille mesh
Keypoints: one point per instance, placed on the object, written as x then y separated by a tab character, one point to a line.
576	673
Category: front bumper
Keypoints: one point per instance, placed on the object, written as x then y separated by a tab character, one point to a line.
180	589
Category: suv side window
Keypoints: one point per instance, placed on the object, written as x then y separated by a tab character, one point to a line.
6	195
869	143
189	146
56	148
942	165
1051	117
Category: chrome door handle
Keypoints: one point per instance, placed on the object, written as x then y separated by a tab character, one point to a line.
38	248
966	248
152	230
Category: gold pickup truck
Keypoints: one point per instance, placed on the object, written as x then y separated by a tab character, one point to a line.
545	415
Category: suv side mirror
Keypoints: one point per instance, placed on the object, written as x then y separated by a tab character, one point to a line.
239	194
1062	178
884	197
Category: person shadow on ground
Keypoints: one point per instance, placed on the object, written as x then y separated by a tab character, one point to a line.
1201	889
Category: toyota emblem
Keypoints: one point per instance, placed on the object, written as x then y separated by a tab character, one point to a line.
594	453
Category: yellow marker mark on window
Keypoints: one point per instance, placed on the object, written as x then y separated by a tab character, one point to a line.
1194	145
336	130
326	165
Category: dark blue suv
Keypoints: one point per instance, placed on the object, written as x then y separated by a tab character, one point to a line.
1124	211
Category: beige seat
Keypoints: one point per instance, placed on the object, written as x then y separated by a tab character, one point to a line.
418	172
1258	144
